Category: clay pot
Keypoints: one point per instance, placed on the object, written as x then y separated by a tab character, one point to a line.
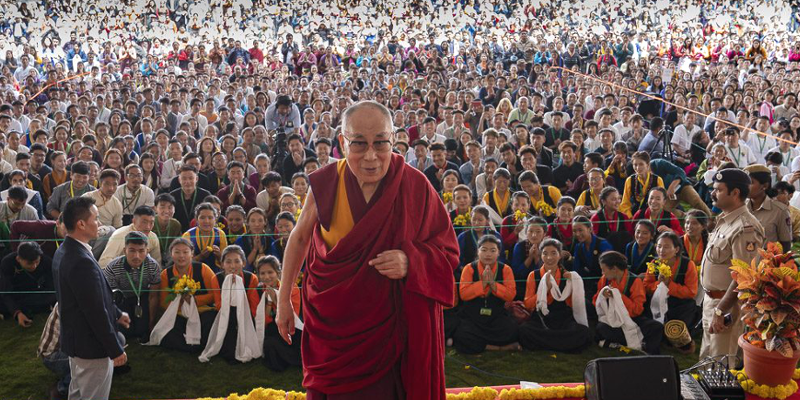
767	367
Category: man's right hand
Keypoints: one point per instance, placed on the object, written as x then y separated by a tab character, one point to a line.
121	360
717	325
285	319
124	320
23	320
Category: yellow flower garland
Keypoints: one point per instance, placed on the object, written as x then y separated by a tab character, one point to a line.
477	393
779	392
547	392
262	394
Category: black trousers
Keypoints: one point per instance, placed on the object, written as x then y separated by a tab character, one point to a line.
652	331
175	339
279	355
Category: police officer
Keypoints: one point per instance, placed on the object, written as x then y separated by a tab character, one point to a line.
774	215
738	235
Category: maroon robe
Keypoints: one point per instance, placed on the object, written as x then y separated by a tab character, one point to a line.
359	325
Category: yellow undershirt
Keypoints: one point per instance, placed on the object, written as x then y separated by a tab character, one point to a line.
342	219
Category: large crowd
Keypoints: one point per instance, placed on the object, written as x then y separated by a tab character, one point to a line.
576	143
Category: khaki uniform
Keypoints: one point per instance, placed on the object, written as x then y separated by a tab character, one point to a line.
794	213
774	217
738	235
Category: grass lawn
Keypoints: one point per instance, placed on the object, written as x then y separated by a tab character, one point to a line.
162	374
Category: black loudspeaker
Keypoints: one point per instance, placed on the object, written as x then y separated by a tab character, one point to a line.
632	378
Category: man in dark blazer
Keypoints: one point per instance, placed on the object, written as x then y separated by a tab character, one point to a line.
88	315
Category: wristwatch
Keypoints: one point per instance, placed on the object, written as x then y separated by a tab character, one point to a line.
717	312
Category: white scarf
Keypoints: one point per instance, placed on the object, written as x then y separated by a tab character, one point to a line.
167	322
261	317
574	288
247	347
613	313
658	303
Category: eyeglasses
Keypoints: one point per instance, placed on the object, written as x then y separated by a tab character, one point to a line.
360	146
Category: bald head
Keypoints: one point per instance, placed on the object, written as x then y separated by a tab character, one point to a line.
368	108
367	139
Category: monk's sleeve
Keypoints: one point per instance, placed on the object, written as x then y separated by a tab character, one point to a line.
432	254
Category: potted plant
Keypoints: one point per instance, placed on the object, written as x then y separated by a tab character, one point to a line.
769	294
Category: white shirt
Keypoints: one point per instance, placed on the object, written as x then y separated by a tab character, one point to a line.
760	145
437	138
169	170
109	211
130	201
741	156
116	246
683	137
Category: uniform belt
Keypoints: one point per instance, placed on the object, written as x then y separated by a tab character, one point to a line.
715	294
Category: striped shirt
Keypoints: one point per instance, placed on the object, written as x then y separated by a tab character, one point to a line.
118	273
50	341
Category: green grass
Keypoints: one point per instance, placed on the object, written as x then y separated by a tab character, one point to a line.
163	374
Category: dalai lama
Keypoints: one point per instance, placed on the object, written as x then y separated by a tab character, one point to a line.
377	273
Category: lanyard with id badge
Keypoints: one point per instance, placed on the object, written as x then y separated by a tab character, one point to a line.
139	312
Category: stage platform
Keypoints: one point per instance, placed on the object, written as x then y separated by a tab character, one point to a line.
795	396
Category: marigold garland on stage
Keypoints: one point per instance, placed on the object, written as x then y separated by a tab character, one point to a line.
547	392
477	393
779	392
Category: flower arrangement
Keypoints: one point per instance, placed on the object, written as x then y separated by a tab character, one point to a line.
770	294
544	208
183	285
447	197
766	392
659	268
547	392
519	216
463	219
